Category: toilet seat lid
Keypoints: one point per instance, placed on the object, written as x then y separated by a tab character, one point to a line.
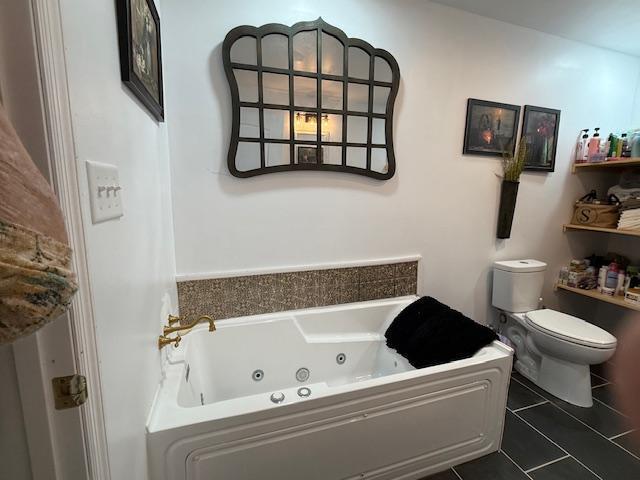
570	328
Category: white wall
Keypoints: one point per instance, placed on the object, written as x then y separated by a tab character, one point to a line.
440	203
131	260
14	452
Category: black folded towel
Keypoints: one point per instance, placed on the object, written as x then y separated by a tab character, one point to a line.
428	332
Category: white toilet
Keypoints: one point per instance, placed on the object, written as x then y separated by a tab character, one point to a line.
553	349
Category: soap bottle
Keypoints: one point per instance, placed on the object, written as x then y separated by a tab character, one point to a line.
620	144
594	143
613	144
626	152
635	145
581	146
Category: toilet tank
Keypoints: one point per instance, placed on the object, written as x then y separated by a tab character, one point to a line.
517	285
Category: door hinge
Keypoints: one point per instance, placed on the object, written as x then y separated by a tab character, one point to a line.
70	391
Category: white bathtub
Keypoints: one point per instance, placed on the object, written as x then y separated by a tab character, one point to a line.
368	413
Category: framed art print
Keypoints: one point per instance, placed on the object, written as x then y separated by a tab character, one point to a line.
491	128
540	132
141	53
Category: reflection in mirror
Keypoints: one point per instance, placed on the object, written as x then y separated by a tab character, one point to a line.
377	131
332	55
380	96
275	89
305	90
248	156
276	124
358	63
249	123
357	129
379	161
357	97
382	70
305	126
332	128
244	51
332	155
305	50
357	157
276	154
247	85
307	154
332	94
275	51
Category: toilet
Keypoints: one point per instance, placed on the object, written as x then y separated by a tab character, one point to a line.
553	349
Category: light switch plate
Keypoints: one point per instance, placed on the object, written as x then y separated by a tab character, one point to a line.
105	192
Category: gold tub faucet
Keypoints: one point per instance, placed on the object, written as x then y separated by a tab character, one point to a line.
202	318
165	340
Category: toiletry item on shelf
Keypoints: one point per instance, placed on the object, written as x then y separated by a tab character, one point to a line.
564	276
619	145
602	278
582	149
594	144
612	277
635	144
625	151
613	145
620	284
608	291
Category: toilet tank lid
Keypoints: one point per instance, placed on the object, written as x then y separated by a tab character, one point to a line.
520	265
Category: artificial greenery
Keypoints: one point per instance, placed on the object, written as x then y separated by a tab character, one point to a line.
513	165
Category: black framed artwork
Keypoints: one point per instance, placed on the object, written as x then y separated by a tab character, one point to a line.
308	155
491	127
141	53
540	132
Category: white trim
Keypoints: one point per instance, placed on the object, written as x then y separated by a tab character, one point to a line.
185	277
50	44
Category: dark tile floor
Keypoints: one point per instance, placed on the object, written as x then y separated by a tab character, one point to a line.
548	439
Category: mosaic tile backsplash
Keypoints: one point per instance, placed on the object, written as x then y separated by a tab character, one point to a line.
255	294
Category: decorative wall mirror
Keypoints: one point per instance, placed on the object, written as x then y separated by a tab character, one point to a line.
307	97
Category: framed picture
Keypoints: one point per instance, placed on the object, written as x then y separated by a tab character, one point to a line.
491	128
140	52
540	132
308	155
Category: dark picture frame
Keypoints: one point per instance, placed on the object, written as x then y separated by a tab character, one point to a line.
141	53
540	128
490	128
309	155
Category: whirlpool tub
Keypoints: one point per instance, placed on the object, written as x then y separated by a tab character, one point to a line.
316	395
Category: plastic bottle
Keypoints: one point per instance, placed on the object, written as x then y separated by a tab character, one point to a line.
613	144
620	144
620	285
581	146
635	145
626	151
602	278
594	143
612	276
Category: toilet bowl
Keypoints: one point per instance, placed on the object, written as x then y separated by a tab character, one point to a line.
556	350
553	349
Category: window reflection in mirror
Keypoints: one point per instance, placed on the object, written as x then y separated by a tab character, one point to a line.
305	51
275	51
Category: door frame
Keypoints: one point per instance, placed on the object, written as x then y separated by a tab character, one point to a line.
81	332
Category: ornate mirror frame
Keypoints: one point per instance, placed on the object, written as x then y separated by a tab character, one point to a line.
324	33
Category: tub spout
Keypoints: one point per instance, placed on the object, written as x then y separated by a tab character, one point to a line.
202	318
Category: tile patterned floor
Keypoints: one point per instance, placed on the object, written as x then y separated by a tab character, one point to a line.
548	439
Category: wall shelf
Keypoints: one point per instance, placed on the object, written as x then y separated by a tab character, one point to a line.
612	163
619	301
632	233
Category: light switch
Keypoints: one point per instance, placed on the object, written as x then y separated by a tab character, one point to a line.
105	192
